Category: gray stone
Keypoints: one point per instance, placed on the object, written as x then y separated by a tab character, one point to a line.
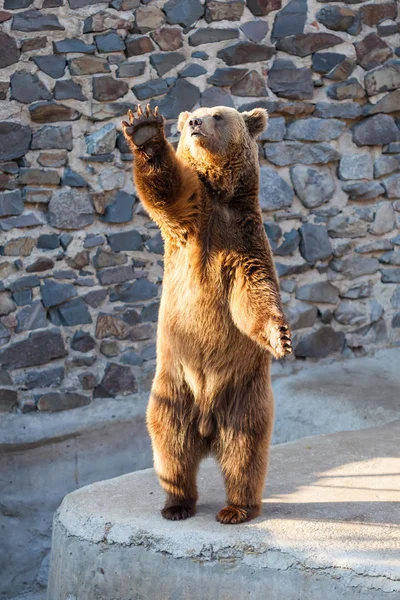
131	358
355	266
67	89
322	291
357	291
109	42
383	79
305	44
290	20
375	13
384	165
94	239
104	258
82	341
391	258
313	187
252	84
5	335
301	315
73	179
245	52
216	97
148	18
342	71
155	244
388	276
289	153
377	130
95	298
9	53
36	43
51	112
31	317
8	400
392	186
47	138
150	312
208	35
387	28
79	261
274	233
43	263
39	348
314	242
374	246
48	241
106	88
56	401
392	148
182	96
88	65
363	190
183	12
315	130
164	62
34	20
289	245
38	177
14	140
74	312
356	166
193	70
116	275
6	304
117	380
256	30
344	90
109	348
71	209
337	18
11	203
52	65
125	240
275	192
54	293
384	219
347	226
141	289
131	69
319	343
323	62
275	132
347	110
224	10
371	51
395	300
359	313
27	88
40	378
149	89
24	220
102	141
73	45
24	283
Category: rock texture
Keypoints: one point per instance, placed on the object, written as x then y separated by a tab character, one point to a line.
80	264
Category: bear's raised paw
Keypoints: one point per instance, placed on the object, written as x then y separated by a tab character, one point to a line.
278	338
142	127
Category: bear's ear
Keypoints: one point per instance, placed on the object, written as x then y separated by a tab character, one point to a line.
256	121
183	117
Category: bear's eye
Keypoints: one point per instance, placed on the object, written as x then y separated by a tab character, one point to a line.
217	117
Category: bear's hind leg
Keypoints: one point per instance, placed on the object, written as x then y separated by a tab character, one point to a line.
242	452
178	449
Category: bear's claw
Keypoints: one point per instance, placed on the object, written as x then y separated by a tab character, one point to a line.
143	127
279	338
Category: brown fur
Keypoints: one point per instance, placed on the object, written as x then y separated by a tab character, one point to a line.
220	310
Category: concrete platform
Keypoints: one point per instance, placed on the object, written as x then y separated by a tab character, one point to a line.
329	530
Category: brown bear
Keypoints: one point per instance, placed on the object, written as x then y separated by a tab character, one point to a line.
221	316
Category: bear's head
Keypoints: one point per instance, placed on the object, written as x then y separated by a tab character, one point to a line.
214	134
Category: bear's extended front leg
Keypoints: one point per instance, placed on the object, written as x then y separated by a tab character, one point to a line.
167	187
256	305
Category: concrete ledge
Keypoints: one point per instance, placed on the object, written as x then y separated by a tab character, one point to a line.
329	530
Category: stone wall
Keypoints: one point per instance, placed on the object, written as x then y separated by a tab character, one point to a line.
81	265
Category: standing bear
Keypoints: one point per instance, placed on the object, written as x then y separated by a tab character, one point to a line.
221	315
